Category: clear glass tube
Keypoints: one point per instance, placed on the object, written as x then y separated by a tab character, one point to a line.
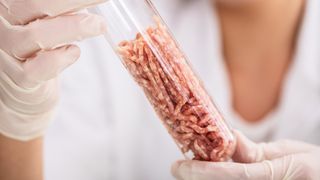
152	56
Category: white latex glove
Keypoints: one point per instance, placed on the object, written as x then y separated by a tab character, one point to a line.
282	160
34	49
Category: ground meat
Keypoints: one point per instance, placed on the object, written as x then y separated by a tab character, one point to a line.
161	69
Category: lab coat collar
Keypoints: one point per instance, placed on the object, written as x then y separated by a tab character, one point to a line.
308	47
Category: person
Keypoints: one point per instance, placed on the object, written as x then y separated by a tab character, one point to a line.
258	59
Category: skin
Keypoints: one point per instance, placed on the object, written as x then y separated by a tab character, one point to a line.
21	160
259	39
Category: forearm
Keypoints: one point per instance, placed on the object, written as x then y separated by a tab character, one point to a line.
20	160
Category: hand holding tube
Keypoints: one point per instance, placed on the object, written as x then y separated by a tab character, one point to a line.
278	160
34	49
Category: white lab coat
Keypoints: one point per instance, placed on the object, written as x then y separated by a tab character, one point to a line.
105	129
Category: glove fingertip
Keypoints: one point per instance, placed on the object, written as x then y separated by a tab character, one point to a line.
245	150
74	51
91	25
175	169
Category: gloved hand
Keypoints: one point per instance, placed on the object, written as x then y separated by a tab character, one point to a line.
34	49
282	160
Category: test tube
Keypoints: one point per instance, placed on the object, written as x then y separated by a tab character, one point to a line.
153	57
